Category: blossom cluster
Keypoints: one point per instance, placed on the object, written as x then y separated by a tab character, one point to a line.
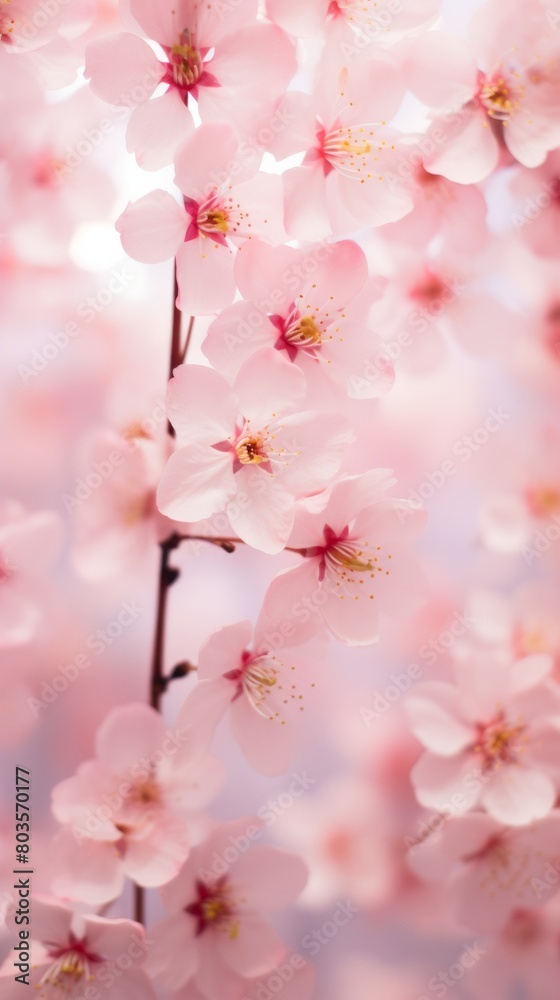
344	457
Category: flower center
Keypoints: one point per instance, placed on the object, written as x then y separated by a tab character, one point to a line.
498	742
146	792
214	907
258	678
136	431
498	98
356	12
186	61
430	290
524	928
71	968
348	556
213	221
346	148
350	567
304	333
249	450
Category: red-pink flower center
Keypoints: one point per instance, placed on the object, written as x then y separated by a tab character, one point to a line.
347	149
349	566
264	680
214	907
357	12
524	928
186	61
71	967
498	742
213	220
430	290
305	328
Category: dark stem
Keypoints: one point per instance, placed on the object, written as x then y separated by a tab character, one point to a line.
139	904
228	544
167	573
187	339
167	576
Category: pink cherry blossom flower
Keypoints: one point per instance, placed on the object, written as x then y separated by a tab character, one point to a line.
440	294
295	974
29	544
118	521
456	212
525	952
490	870
127	812
500	93
537	203
52	188
492	739
214	57
361	978
316	320
343	833
215	936
350	152
247	449
534	357
225	202
521	510
21	30
72	954
523	624
259	676
355	562
354	23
